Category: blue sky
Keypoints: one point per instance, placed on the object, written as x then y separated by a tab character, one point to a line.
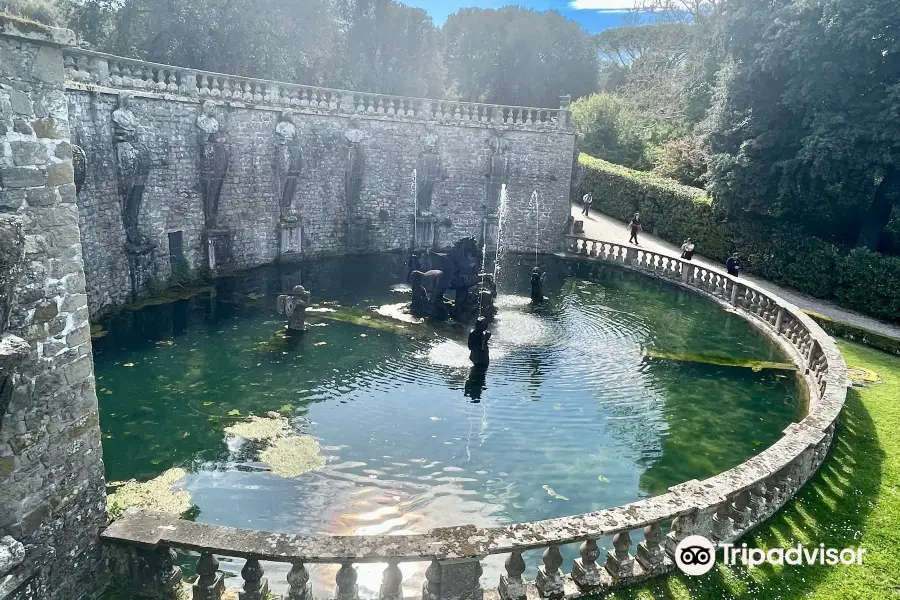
594	15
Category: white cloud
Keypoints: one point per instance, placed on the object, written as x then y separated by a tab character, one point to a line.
604	5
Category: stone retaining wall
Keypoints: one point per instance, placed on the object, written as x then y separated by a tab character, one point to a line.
52	493
462	152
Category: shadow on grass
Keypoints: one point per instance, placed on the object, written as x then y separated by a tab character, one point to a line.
832	509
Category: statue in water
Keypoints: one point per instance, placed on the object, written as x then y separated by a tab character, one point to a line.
294	305
537	285
478	344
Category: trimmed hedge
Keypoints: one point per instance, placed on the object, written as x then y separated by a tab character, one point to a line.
859	279
856	334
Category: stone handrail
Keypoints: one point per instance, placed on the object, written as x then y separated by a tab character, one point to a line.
87	70
722	508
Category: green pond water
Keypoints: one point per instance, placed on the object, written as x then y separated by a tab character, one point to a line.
573	415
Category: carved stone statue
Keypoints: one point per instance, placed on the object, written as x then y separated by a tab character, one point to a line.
478	343
497	171
537	285
455	270
355	166
213	162
428	170
133	166
288	162
79	165
294	305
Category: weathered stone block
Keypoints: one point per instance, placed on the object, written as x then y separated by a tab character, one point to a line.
45	311
28	153
19	102
41	197
22	126
50	128
21	177
60	173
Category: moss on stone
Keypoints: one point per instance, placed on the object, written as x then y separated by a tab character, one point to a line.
157	494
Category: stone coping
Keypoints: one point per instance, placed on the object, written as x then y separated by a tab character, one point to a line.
35	32
97	71
777	471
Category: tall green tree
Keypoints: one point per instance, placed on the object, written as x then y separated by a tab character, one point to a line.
390	48
517	56
806	121
272	39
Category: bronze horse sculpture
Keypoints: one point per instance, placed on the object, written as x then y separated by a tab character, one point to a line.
455	270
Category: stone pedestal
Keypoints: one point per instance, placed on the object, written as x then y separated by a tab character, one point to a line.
587	576
550	585
461	580
291	240
141	258
218	250
153	573
423	234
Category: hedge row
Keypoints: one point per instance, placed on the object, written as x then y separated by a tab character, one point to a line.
858	279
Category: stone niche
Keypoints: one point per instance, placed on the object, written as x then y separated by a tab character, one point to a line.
218	244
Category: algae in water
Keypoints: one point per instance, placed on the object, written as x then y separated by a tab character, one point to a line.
157	494
293	455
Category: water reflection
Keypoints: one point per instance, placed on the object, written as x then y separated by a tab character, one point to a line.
570	417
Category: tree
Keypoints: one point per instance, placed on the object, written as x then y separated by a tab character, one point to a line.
255	38
611	130
806	119
517	56
390	48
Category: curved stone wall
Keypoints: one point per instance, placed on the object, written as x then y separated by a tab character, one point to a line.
721	508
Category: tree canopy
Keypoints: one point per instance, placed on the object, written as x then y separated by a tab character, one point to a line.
806	122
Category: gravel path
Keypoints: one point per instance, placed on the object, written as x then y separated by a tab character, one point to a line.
608	229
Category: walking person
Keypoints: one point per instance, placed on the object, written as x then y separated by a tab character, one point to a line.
687	249
586	201
733	265
636	227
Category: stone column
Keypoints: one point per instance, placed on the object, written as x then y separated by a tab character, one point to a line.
52	491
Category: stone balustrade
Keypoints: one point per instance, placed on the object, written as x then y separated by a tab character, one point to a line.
721	508
88	70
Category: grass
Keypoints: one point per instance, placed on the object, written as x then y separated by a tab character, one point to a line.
853	502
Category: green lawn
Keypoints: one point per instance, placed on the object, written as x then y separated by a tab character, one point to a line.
854	501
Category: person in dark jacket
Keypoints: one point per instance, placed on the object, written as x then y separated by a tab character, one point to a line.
636	227
687	249
733	265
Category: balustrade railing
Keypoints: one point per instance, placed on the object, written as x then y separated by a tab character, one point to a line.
721	508
85	68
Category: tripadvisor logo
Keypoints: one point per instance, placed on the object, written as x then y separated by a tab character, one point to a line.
696	555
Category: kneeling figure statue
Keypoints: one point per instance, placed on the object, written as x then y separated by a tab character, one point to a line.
478	343
294	305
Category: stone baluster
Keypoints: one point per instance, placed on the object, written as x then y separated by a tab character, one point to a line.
256	587
334	100
299	587
153	572
723	524
758	501
304	98
549	581
650	553
346	105
391	583
157	79
779	319
347	589
391	110
115	74
593	252
619	561
584	247
210	584
741	513
69	67
228	92
247	91
204	86
585	572
370	105
127	80
431	589
773	493
295	98
172	81
512	586
215	87
259	91
360	105
754	303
